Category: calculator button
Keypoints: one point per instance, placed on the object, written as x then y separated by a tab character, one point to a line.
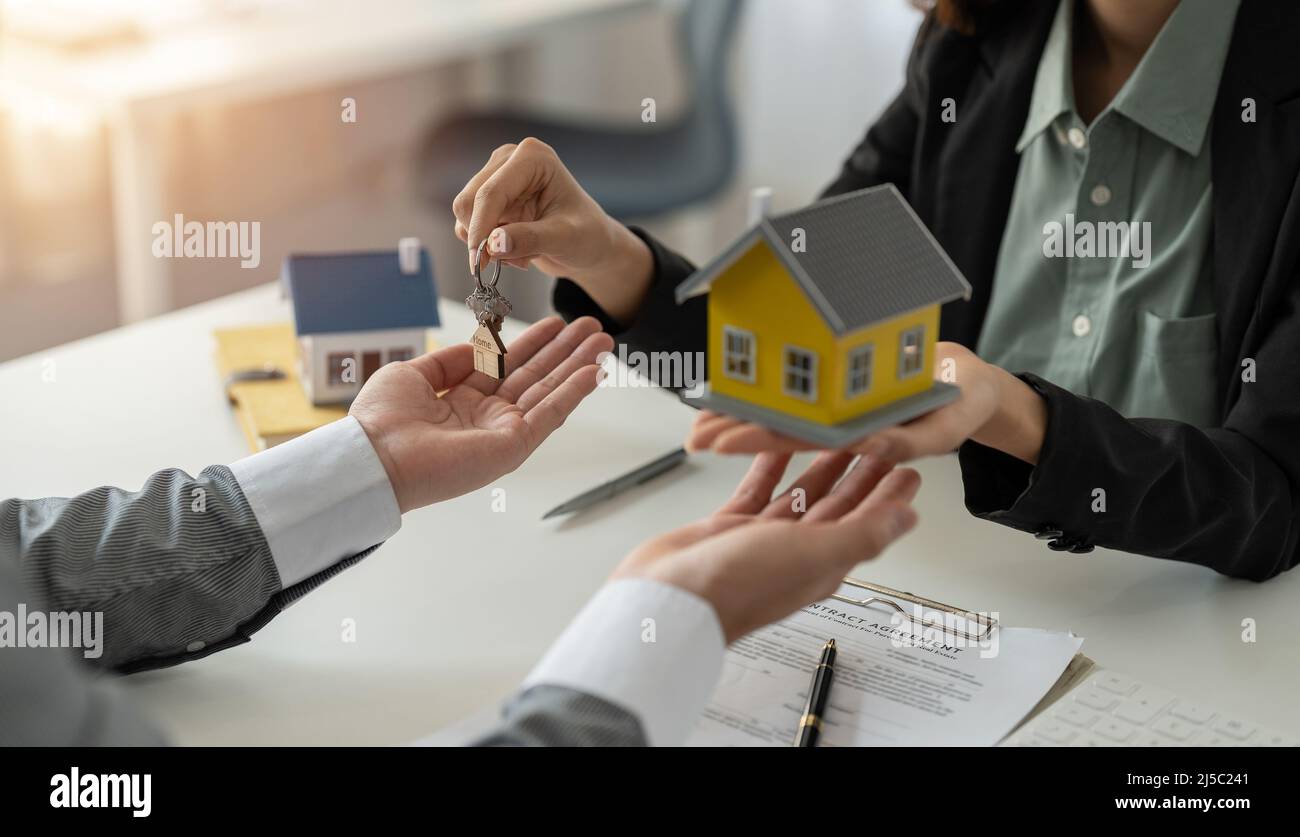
1192	713
1272	740
1233	728
1150	739
1073	713
1096	699
1057	733
1117	683
1173	728
1140	709
1113	729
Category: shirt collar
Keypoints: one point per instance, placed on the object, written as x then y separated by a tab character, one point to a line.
1171	92
1054	84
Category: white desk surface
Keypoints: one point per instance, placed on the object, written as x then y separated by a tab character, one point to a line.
452	612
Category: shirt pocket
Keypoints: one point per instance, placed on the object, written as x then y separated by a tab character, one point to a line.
1176	369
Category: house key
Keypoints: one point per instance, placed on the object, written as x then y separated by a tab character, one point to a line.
490	309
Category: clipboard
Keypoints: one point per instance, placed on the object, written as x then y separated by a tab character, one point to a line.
890	598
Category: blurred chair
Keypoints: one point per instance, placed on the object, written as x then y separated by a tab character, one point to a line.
632	171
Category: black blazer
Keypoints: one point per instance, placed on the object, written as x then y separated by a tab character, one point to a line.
1225	497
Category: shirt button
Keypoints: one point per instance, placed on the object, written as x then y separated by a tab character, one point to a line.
1100	195
1077	138
1081	326
196	645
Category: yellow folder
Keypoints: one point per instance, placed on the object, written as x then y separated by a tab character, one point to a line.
270	412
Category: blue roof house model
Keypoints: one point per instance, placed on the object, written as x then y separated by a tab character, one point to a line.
354	312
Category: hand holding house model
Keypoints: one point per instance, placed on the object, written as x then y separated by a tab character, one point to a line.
822	321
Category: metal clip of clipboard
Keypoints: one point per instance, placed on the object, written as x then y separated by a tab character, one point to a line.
987	623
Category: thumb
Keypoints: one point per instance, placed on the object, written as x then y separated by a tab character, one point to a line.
529	239
444	368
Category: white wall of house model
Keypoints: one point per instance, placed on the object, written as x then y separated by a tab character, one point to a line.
319	355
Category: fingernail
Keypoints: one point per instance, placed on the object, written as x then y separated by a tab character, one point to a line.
498	242
472	254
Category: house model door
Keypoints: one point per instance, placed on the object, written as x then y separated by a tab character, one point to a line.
369	365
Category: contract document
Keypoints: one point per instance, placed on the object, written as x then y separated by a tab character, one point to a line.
896	682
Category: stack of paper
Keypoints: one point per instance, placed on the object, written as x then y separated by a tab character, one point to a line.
895	684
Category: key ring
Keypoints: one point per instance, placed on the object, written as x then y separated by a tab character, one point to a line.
478	269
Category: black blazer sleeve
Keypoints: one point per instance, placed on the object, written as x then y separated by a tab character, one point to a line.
1222	497
661	325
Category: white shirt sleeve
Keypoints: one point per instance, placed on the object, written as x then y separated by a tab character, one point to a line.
649	647
319	498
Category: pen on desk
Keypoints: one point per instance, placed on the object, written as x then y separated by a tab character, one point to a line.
618	485
810	725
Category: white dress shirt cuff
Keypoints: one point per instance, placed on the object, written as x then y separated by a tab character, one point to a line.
319	498
650	648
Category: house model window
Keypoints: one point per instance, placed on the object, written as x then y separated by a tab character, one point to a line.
860	370
738	354
339	362
911	352
799	376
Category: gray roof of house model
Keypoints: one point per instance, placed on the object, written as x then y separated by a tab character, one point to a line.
866	258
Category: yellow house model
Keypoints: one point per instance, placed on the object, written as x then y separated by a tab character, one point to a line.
822	321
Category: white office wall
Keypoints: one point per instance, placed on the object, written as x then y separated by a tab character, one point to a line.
813	74
808	77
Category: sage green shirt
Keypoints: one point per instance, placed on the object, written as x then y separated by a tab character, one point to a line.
1103	281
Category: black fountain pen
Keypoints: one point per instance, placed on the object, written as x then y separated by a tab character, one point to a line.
810	725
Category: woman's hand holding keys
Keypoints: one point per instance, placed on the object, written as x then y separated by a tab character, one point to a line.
533	212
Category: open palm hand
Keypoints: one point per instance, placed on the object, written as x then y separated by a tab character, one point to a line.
761	557
443	429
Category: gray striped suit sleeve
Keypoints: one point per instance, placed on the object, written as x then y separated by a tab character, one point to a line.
555	716
179	569
48	700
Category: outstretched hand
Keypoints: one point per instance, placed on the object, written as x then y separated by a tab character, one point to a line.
443	429
759	558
